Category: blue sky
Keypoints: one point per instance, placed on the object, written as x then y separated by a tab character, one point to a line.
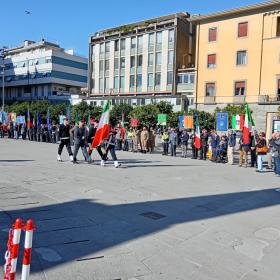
71	22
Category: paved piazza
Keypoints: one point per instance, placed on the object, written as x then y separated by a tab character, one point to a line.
155	218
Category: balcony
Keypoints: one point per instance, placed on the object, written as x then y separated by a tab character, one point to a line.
267	99
239	99
210	100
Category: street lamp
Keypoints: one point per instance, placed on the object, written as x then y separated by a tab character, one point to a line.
2	55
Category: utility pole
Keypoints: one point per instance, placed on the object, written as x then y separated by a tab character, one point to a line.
3	54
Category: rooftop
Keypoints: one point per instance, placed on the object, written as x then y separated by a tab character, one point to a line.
237	11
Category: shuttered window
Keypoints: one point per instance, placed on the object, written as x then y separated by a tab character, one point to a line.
210	89
212	37
211	61
243	29
278	27
240	88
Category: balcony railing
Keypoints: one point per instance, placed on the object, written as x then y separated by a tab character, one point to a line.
210	99
267	99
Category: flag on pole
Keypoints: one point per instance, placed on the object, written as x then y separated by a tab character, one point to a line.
28	119
89	121
197	140
248	125
34	120
39	120
103	127
237	122
48	120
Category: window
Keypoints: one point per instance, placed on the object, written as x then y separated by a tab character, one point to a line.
151	39
139	80
239	88
116	82
241	58
133	42
243	29
117	45
180	79
122	62
101	65
132	81
122	82
132	61
170	57
150	59
140	60
102	48
116	63
159	37
170	78
210	89
122	44
48	60
157	79
106	82
278	89
278	27
212	37
158	58
107	47
211	61
150	80
191	78
93	82
140	42
101	83
171	36
107	64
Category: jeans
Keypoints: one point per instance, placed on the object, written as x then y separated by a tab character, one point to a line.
203	152
277	165
84	150
112	150
173	150
214	154
260	162
165	148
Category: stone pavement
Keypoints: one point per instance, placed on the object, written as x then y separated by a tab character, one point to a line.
155	218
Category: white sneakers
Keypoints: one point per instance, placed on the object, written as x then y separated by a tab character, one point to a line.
116	163
59	158
71	158
102	163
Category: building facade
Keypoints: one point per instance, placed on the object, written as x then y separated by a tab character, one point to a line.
138	63
238	59
42	70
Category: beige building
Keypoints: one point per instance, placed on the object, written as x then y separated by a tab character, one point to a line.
238	59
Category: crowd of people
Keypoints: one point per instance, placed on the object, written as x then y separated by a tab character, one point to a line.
219	148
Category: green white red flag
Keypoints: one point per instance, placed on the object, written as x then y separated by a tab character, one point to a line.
102	131
248	125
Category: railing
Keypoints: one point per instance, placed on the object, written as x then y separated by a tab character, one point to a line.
266	99
210	99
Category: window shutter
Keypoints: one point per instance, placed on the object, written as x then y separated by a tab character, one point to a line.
240	85
212	34
243	29
211	59
278	84
210	85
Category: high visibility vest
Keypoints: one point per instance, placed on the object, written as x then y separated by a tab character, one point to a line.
165	137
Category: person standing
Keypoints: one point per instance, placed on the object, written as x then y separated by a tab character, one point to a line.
261	150
269	154
64	135
80	138
253	150
276	152
165	142
204	144
173	141
244	149
144	139
184	142
231	145
215	140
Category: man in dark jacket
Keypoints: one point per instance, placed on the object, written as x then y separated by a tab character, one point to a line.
204	144
80	138
184	142
64	135
253	152
215	140
231	145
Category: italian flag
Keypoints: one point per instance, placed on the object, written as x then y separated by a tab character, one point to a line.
102	131
197	140
248	125
237	122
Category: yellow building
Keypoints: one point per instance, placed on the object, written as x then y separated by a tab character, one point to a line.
238	59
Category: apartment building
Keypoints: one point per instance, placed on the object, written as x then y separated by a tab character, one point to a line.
138	63
43	70
238	59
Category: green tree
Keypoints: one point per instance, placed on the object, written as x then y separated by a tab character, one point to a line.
117	111
164	107
146	115
206	119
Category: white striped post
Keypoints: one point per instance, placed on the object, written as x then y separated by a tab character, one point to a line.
29	229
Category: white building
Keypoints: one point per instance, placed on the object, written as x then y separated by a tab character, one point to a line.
43	70
138	63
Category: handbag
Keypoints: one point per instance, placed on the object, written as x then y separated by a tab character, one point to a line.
262	150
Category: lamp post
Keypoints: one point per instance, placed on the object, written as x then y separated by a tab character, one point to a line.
2	55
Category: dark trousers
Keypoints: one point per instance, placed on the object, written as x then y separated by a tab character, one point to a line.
99	150
110	148
66	143
253	158
277	165
173	150
194	152
203	152
84	150
165	148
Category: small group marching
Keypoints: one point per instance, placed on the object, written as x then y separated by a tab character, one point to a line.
99	135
